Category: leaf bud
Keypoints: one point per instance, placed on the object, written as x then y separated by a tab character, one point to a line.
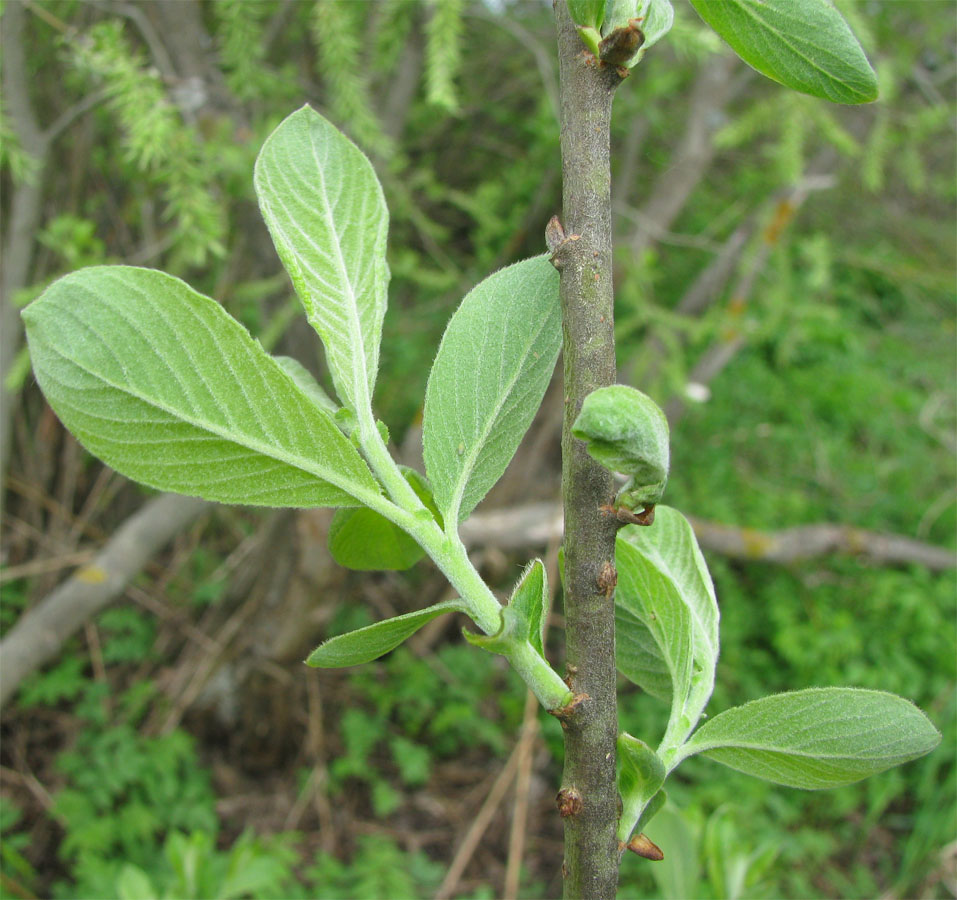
627	432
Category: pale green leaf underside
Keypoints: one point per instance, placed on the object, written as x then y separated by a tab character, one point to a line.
162	384
816	738
803	44
488	380
373	641
651	603
640	776
327	216
530	599
665	560
307	382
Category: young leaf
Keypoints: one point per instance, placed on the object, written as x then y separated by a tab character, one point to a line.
327	216
373	641
816	738
488	379
806	46
664	560
638	655
308	384
640	776
654	18
627	432
652	604
588	16
523	619
162	384
364	540
587	13
530	598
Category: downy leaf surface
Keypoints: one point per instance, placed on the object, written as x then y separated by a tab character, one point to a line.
373	641
162	384
523	617
816	738
307	382
660	569
327	216
641	774
650	604
488	380
803	45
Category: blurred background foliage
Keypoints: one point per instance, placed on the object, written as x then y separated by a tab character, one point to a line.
785	278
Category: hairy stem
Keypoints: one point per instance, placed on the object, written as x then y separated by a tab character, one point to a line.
585	263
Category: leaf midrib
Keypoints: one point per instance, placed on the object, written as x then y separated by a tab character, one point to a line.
270	451
766	26
472	456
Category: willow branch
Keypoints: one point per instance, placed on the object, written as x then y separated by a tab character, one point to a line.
585	263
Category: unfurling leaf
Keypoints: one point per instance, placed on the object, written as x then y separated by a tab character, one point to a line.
804	45
626	431
373	641
653	18
587	13
162	384
641	774
816	738
667	618
523	619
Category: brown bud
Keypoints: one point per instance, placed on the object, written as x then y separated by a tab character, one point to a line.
569	802
644	848
554	234
618	48
607	578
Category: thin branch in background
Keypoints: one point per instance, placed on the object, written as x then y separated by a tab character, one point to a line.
40	632
536	524
716	358
483	818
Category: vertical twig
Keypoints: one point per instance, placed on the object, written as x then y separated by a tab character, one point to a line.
589	797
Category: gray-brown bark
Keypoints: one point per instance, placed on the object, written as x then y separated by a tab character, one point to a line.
585	263
40	633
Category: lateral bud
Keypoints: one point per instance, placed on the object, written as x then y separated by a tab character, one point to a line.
618	48
645	848
569	802
556	239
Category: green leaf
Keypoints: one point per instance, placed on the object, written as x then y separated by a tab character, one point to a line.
530	599
307	383
495	361
659	17
523	619
660	570
373	641
641	774
366	541
651	603
655	20
134	884
677	875
587	13
327	216
804	45
162	384
627	432
816	738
